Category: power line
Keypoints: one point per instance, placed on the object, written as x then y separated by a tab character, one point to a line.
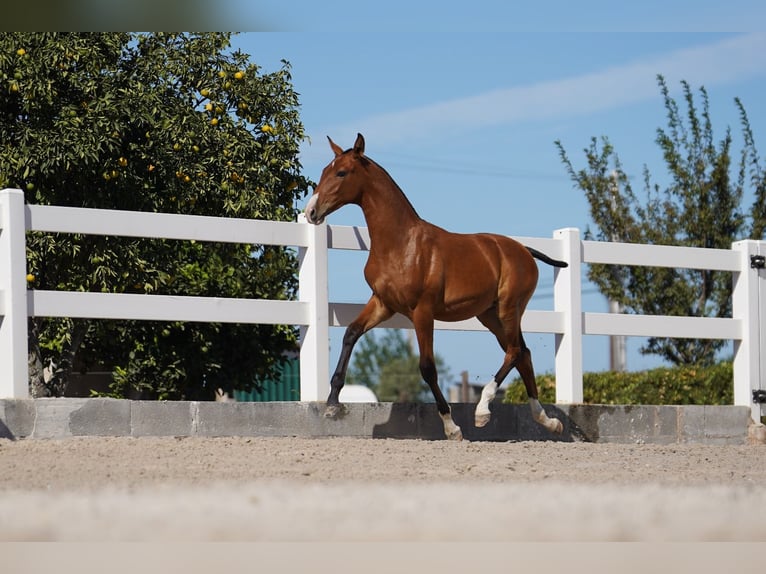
466	168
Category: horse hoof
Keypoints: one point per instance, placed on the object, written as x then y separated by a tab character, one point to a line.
557	427
455	434
481	420
332	411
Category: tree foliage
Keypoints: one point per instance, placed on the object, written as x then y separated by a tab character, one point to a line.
679	385
700	206
400	381
390	367
175	123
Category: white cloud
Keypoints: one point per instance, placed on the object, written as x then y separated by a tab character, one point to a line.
711	64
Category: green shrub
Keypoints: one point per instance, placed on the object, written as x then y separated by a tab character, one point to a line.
687	385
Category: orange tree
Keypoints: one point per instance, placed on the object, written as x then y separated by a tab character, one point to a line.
175	123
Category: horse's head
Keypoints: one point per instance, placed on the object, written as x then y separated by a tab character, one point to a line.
341	182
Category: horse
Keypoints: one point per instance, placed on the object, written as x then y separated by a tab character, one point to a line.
427	273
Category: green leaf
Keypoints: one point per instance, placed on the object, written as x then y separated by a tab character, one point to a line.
699	206
81	134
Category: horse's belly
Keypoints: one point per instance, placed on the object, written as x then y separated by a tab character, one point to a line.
464	308
455	314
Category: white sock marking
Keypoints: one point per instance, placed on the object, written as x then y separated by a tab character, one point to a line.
452	431
488	394
553	425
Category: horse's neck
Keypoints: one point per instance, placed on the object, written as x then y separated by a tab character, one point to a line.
389	215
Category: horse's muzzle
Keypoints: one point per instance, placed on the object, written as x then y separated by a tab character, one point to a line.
312	212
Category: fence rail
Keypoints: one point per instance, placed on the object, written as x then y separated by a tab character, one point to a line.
314	313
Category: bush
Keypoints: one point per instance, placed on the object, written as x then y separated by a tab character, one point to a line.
687	385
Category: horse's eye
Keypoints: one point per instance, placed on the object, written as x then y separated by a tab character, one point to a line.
341	173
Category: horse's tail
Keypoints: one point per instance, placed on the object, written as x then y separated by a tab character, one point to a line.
545	259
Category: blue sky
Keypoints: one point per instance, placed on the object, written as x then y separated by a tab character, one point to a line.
465	122
488	15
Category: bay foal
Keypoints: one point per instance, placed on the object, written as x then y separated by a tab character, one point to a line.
427	274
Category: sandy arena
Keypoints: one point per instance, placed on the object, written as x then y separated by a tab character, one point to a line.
352	489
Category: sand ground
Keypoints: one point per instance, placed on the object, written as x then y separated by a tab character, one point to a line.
371	490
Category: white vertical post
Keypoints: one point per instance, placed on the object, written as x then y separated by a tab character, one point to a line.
750	308
315	337
567	298
13	296
759	410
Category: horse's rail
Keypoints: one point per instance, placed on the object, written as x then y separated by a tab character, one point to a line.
615	253
355	238
141	307
662	325
342	314
90	221
348	237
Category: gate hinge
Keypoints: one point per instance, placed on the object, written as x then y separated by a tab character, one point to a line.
757	261
759	397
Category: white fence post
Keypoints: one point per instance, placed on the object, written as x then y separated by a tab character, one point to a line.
315	337
13	296
567	298
749	306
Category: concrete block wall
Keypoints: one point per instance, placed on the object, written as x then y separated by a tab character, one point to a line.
61	418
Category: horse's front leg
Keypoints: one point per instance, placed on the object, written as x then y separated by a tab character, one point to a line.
373	313
424	330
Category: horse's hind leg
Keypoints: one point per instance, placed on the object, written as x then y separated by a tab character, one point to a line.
517	355
373	313
492	322
527	372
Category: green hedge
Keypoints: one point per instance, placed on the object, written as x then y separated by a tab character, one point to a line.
687	385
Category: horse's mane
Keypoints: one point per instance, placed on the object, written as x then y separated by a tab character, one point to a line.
366	160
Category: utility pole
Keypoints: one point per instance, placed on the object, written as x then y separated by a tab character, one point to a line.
464	387
617	354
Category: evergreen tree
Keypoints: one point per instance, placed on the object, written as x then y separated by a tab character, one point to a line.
701	206
390	367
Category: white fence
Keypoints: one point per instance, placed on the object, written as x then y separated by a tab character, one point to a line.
314	313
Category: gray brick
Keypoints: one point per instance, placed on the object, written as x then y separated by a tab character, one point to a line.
160	418
358	419
665	425
100	417
429	423
582	422
17	418
375	415
725	423
52	417
402	422
223	419
629	422
252	419
502	426
378	420
691	424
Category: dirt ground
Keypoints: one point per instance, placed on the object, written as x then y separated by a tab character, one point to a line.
347	489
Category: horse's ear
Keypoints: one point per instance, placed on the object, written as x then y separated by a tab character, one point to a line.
359	144
335	147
